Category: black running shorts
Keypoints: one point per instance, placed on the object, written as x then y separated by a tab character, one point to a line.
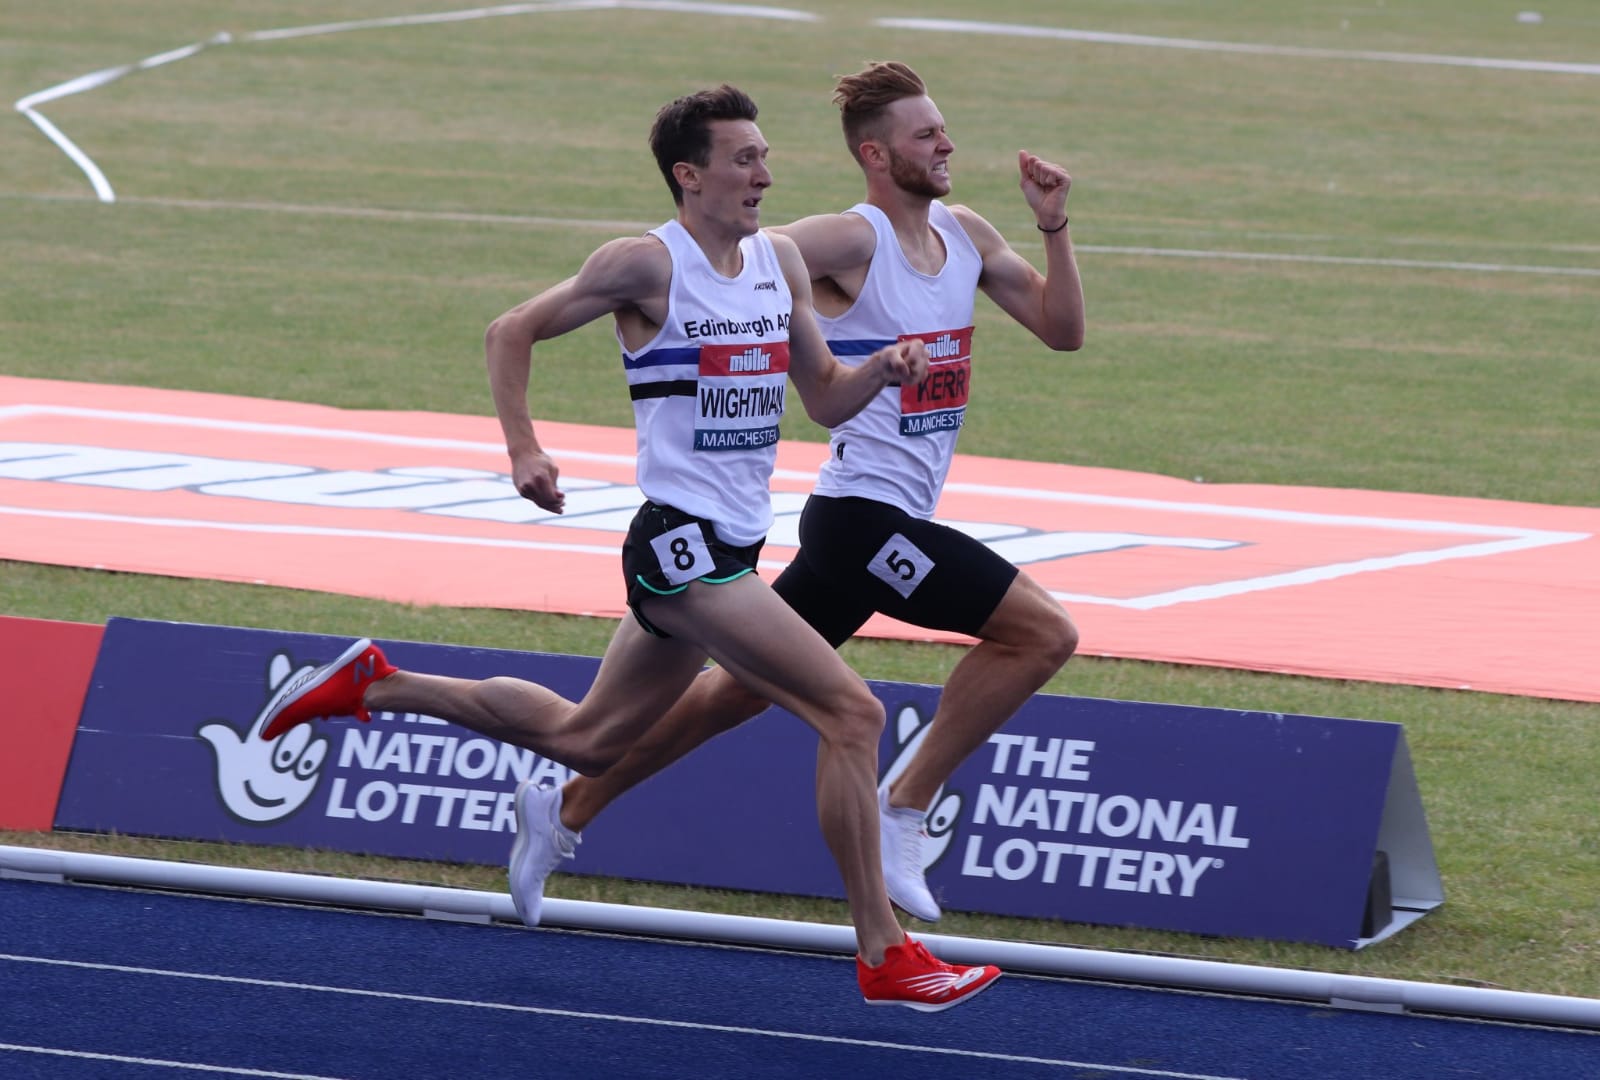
860	556
666	549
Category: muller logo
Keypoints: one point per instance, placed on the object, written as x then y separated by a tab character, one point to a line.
752	359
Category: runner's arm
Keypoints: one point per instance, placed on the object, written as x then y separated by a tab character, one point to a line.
833	392
831	244
631	272
1050	305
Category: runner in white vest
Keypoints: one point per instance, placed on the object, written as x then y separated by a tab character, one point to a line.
712	316
900	264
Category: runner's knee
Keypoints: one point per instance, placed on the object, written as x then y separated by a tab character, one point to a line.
1058	640
854	724
1033	623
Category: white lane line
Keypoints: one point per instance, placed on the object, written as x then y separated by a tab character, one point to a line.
160	1063
624	225
963	26
614	1018
1346	260
259	529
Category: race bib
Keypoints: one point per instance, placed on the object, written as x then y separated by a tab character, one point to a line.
939	402
901	565
682	554
739	395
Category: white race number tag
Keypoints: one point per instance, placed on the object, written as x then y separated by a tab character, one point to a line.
682	554
901	565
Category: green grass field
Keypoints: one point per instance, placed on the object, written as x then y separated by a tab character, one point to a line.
1302	267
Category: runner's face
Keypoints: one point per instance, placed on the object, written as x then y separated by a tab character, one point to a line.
736	177
919	149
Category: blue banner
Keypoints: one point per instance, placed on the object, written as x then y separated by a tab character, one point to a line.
1214	821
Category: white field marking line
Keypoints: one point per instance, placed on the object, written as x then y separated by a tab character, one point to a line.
1267	513
1284	234
615	1018
672	6
17	412
483	218
1313	574
1515	538
622	225
1103	38
307	530
447	539
102	186
451	216
1345	260
1149	602
160	1063
1259	513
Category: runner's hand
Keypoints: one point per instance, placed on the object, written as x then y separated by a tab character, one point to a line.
1045	186
535	474
903	363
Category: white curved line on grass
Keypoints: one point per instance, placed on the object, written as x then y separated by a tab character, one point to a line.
102	187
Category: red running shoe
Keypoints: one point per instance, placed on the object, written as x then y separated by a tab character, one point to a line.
912	976
334	689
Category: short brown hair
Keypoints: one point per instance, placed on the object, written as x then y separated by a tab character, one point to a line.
864	98
682	128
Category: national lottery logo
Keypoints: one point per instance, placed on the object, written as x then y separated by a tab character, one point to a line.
261	782
1027	826
403	769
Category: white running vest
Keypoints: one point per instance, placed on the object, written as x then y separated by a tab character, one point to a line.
708	391
898	449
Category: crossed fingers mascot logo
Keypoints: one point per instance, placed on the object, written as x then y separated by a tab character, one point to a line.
261	782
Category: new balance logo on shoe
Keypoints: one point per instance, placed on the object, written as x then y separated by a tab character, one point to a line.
937	984
972	976
913	977
337	688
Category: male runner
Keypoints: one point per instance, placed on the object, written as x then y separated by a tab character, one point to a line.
705	300
900	264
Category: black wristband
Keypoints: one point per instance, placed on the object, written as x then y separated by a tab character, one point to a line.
1057	229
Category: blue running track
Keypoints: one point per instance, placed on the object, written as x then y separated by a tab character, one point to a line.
124	984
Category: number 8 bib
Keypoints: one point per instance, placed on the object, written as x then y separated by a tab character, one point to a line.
681	554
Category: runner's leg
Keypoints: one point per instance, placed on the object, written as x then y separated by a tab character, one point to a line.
639	679
716	702
1022	644
771	651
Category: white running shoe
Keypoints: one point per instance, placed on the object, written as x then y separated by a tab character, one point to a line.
542	843
902	833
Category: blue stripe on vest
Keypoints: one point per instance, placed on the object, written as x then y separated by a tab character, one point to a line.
687	354
858	347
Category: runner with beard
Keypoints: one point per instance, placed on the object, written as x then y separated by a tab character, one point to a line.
713	316
898	265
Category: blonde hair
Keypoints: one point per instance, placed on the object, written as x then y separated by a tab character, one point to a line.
864	99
